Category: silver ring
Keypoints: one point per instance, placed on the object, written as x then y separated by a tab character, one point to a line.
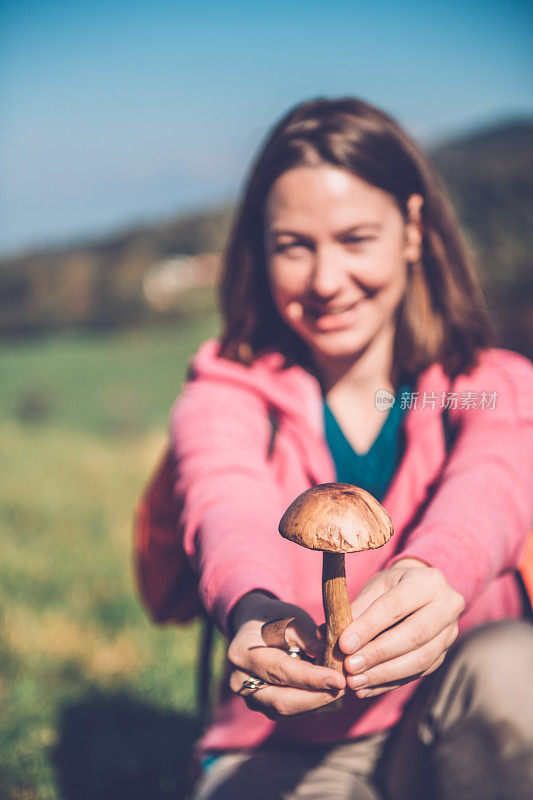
294	651
253	683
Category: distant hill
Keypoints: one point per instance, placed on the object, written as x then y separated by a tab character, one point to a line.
99	283
490	178
489	174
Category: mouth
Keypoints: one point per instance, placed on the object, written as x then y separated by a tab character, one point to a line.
334	311
324	311
334	317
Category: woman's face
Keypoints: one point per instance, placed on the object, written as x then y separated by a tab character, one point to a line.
337	253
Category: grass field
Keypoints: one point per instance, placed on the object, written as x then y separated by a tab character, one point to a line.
96	702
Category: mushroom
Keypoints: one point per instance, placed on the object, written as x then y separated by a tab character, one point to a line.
336	518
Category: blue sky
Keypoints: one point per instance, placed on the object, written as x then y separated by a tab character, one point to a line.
115	112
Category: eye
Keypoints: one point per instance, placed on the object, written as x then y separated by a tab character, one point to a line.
292	249
356	241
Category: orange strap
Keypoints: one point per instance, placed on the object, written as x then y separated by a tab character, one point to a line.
526	567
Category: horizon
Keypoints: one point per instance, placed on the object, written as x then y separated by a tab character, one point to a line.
83	239
124	116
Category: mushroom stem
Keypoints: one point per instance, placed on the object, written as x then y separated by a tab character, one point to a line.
336	607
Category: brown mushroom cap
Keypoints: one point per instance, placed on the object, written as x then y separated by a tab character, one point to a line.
336	518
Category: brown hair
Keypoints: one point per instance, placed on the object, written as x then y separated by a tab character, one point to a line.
442	316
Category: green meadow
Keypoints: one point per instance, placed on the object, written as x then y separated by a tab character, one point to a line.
96	701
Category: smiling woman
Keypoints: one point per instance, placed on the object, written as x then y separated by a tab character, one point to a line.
326	280
354	156
337	290
346	280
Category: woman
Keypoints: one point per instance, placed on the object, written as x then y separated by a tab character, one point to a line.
346	285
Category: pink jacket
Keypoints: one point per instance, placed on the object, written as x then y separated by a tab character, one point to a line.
467	514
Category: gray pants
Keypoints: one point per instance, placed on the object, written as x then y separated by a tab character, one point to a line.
467	734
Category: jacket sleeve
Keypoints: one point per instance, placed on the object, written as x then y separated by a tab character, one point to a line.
477	523
230	502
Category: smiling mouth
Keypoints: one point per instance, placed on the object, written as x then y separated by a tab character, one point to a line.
323	312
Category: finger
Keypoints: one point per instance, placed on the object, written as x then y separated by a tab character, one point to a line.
374	691
304	634
385	611
281	701
405	668
415	631
284	633
278	668
378	586
238	677
273	633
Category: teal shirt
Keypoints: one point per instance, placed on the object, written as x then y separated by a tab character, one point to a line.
374	469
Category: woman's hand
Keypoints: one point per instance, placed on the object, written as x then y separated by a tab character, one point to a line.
405	619
293	686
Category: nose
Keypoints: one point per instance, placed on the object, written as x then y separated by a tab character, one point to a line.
327	275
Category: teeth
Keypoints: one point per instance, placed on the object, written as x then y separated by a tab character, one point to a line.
324	312
339	310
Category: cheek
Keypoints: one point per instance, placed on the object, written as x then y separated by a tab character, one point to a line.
388	272
287	281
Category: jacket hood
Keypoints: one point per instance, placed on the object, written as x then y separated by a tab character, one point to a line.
292	390
296	393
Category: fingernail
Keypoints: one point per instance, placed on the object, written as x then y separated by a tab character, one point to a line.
332	684
352	641
356	663
358	681
364	693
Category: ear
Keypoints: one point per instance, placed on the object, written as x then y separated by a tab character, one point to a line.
414	228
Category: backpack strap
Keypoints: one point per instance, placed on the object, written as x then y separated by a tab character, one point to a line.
274	425
449	430
204	669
